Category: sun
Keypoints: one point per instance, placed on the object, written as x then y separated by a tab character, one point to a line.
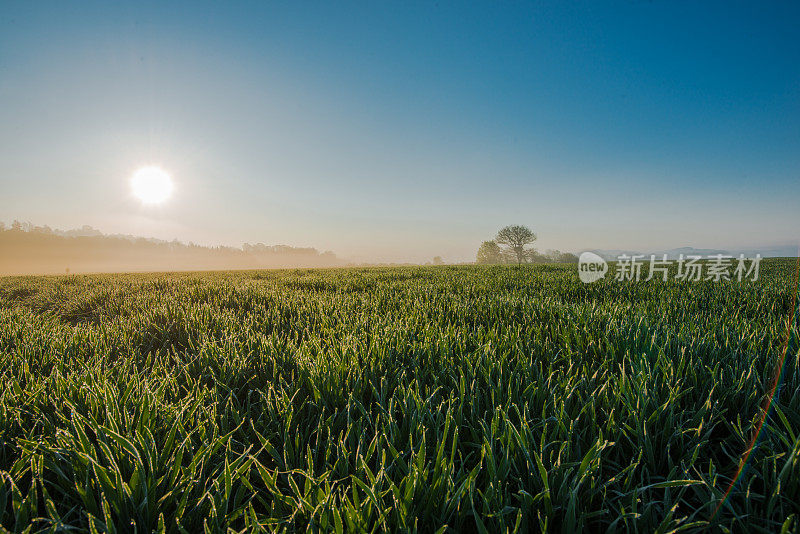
151	185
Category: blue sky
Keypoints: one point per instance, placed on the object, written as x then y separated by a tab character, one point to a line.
399	131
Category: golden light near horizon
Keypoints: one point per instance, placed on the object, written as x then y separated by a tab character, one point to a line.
151	185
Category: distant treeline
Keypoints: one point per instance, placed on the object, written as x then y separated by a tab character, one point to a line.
28	249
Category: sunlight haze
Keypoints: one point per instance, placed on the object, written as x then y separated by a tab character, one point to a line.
396	135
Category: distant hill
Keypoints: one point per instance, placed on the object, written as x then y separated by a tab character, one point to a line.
785	251
28	249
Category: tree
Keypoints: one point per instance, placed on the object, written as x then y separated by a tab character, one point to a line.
556	256
515	238
489	253
437	260
532	256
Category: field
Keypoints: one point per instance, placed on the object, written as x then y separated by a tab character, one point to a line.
451	399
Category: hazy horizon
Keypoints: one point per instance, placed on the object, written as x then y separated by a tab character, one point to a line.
395	135
15	262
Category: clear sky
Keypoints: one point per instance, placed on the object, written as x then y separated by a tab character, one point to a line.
399	131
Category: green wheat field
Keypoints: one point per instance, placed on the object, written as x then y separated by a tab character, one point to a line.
412	399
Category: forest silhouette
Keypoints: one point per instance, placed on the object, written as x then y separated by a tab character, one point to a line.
28	249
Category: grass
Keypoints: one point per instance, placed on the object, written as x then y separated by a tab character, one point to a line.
450	399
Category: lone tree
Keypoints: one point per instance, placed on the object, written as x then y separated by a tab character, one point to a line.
489	253
515	238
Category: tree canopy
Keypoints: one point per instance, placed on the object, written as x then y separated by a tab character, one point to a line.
516	237
489	253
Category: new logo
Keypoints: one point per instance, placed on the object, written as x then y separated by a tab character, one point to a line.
591	267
